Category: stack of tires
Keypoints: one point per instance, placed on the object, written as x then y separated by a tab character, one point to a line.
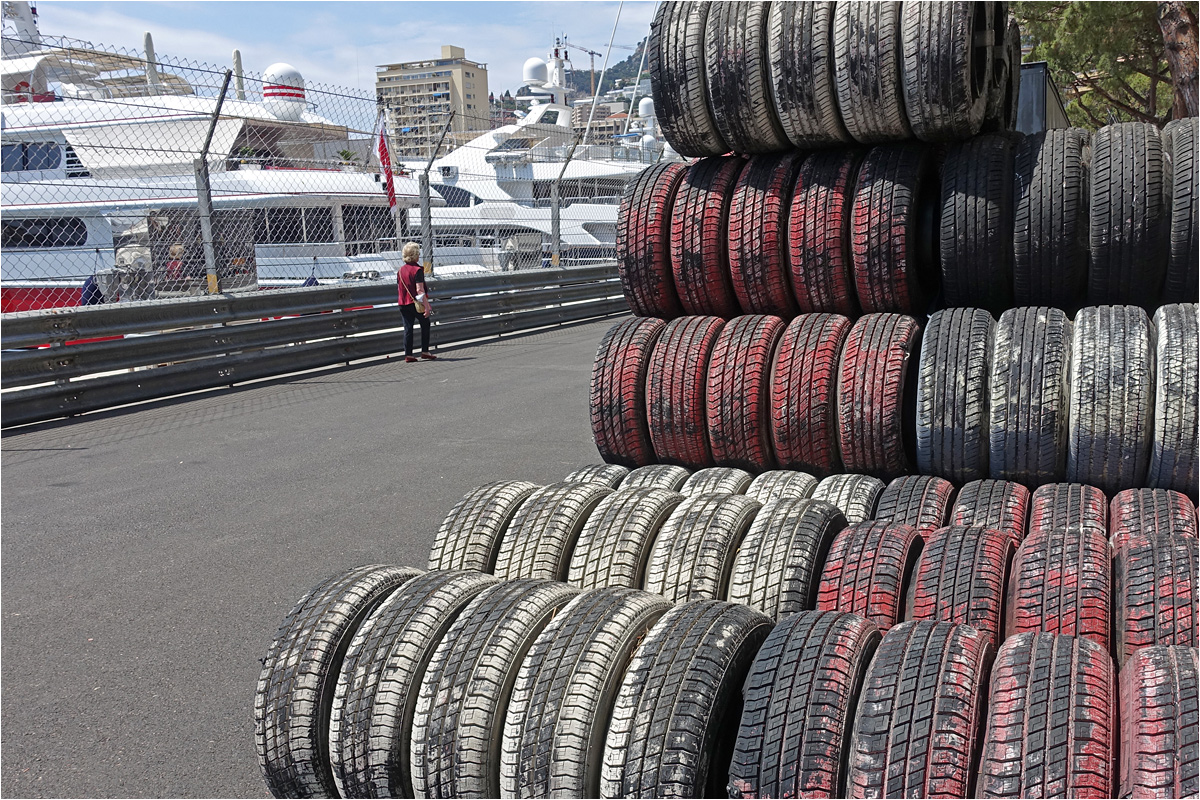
1109	399
800	676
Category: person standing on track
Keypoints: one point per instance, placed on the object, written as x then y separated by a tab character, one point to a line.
414	301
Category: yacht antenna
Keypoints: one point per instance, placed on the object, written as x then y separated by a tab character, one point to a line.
587	130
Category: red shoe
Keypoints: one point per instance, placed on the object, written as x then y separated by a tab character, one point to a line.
429	356
410	360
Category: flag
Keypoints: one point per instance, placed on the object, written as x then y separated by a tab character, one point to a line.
385	164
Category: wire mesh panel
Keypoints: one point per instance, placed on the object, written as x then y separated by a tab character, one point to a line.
131	178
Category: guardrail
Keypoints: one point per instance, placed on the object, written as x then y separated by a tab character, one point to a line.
145	350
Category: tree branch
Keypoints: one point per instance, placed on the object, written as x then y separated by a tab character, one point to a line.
1133	112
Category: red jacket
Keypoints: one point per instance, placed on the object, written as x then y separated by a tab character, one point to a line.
409	276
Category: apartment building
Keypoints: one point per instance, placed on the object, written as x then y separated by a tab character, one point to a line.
418	97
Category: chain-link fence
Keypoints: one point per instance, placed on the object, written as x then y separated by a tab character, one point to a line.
128	176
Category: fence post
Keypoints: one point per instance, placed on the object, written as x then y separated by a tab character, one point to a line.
426	220
204	193
556	209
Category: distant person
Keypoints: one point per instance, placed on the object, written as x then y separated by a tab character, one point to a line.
92	296
414	301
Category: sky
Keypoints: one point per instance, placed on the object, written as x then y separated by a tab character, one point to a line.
340	43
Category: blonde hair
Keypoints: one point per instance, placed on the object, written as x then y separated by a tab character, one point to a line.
411	251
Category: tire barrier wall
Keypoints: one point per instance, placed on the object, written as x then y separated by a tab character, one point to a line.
388	681
1109	399
208	342
1061	219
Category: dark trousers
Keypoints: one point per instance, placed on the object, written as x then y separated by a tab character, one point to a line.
409	312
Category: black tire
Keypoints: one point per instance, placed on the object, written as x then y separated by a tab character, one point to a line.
800	698
617	395
867	60
656	476
854	495
615	542
952	394
922	501
922	703
999	505
644	241
977	221
1175	449
1050	223
294	697
868	569
1029	408
370	729
675	58
553	742
739	83
947	67
894	259
464	695
1150	512
1112	398
717	480
610	475
1068	506
470	536
1051	723
1155	597
800	56
694	551
543	533
961	578
1128	217
1160	754
678	701
1183	252
1012	97
778	484
778	566
1061	583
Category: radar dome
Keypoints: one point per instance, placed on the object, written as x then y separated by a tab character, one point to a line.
283	91
536	72
646	107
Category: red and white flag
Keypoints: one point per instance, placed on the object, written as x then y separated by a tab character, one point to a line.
385	163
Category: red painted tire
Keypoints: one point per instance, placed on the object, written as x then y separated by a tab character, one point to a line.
1002	505
1150	512
644	241
1063	506
916	732
618	394
1154	593
819	257
675	402
1159	748
738	393
1061	583
868	569
699	242
872	384
922	501
804	423
758	230
1051	721
891	273
961	578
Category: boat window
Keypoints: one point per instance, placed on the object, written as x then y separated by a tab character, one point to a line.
456	197
549	117
365	226
516	143
43	232
31	156
318	225
285	225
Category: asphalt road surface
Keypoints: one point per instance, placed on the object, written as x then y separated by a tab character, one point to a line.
149	554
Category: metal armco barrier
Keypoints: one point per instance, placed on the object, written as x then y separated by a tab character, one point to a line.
160	348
